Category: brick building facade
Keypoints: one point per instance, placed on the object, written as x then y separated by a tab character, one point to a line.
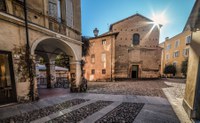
135	51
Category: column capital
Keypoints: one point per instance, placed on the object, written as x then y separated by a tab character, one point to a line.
76	62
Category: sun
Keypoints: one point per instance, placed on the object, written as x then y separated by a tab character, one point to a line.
160	18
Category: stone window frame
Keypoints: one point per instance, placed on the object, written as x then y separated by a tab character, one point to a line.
69	13
92	44
103	71
52	8
103	57
93	58
175	63
168	47
104	42
186	52
176	54
188	39
136	39
59	11
93	71
167	56
177	43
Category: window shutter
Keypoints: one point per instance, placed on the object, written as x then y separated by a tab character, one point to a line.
53	8
69	13
103	57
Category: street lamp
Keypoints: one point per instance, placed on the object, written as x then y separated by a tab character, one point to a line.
96	32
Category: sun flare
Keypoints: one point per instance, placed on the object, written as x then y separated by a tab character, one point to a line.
160	18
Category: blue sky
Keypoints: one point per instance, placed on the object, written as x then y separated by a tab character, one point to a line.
102	13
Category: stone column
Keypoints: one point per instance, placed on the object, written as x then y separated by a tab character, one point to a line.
78	74
37	72
51	74
76	68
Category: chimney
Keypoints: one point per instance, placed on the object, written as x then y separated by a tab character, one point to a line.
96	32
167	38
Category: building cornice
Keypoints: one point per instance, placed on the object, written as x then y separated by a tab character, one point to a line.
105	35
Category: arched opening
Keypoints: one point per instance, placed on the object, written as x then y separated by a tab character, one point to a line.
54	70
136	39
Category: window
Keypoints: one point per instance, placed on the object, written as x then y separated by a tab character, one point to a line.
186	52
174	64
59	11
136	39
104	42
69	13
53	8
176	54
103	57
188	40
168	47
177	43
104	71
167	57
93	58
2	5
92	44
93	71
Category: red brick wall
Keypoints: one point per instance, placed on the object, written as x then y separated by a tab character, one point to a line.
98	48
146	54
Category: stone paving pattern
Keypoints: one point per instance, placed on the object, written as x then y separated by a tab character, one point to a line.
124	113
36	114
156	109
141	87
153	107
81	113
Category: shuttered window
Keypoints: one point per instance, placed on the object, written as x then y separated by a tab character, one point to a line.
103	57
53	8
69	13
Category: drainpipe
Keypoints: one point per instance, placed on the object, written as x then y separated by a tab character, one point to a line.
27	57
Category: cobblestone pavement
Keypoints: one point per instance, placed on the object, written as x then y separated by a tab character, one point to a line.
142	88
175	95
89	108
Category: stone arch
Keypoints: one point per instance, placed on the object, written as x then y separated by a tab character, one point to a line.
50	45
37	42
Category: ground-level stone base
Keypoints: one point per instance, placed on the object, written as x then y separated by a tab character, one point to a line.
191	113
